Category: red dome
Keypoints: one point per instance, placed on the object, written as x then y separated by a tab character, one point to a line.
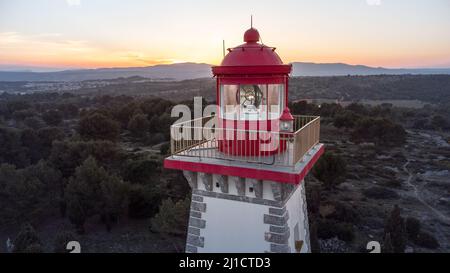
252	58
251	53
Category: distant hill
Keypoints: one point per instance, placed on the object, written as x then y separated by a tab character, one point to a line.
340	69
185	71
178	72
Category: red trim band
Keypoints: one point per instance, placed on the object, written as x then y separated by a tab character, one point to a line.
282	177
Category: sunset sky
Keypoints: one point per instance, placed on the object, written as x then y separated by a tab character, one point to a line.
119	33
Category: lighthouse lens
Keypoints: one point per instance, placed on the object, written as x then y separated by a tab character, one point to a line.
251	98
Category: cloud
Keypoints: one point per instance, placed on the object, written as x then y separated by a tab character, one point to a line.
373	2
73	2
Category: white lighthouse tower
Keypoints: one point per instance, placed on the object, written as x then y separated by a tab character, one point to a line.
246	164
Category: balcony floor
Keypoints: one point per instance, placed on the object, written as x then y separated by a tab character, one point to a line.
274	168
209	150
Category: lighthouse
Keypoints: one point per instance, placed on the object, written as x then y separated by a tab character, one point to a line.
246	164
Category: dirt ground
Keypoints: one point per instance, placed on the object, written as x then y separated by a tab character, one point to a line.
418	173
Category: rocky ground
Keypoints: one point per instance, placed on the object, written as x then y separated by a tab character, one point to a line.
415	176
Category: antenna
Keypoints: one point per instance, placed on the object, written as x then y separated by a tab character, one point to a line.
223	48
251	21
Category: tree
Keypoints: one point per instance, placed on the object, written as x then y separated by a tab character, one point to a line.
143	201
330	169
164	149
93	191
395	227
61	240
98	126
11	149
346	119
34	122
427	240
172	218
67	155
27	241
387	244
139	125
413	227
380	131
46	137
141	171
439	122
52	117
26	194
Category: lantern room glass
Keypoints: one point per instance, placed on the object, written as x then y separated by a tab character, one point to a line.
251	101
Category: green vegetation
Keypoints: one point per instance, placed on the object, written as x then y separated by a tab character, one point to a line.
27	241
395	229
67	156
330	169
172	218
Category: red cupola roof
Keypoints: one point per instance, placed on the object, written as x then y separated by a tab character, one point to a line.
252	58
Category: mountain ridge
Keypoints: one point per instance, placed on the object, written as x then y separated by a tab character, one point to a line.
185	71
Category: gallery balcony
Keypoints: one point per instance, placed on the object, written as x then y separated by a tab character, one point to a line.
207	145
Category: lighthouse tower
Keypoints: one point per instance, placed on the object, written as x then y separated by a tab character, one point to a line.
247	163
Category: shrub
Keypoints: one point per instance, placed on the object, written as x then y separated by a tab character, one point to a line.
395	228
143	201
93	191
172	218
330	169
139	125
346	119
165	148
140	171
345	213
99	126
412	227
61	240
380	131
27	241
380	193
426	240
328	229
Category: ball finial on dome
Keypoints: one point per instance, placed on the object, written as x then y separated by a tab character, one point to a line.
251	36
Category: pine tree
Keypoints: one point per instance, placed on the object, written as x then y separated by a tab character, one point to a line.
93	191
27	241
395	227
387	244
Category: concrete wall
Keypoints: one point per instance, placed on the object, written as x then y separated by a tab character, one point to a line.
232	214
234	226
296	206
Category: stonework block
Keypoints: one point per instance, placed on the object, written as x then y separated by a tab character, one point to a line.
197	198
223	183
195	214
191	249
276	220
279	248
191	177
277	211
258	187
207	180
198	206
277	238
194	231
277	191
279	229
195	240
240	186
198	223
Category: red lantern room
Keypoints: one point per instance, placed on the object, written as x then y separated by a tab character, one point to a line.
252	92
